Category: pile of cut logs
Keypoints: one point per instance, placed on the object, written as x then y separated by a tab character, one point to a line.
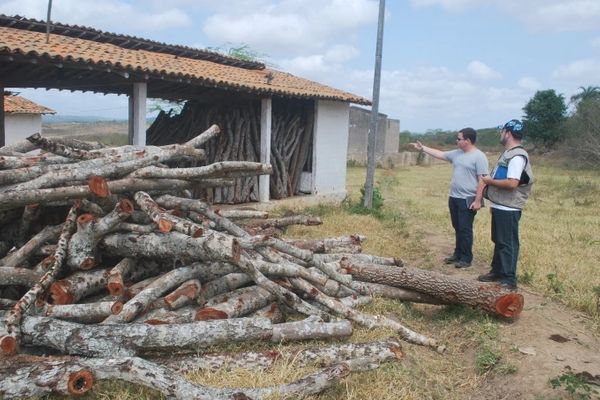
110	269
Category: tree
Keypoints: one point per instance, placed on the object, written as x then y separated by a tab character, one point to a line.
544	115
587	93
583	143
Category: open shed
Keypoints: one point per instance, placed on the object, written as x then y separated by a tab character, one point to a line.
85	59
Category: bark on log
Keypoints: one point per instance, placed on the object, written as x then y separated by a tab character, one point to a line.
285	222
489	297
237	305
14	259
183	295
141	302
348	244
221	285
82	252
271	311
108	340
364	319
385	349
74	376
18	276
77	286
10	332
86	313
21	198
164	220
172	245
242	214
225	169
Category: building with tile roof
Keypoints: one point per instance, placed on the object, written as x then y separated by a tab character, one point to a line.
22	117
73	58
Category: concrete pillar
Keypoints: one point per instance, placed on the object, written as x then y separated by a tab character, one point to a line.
137	114
266	109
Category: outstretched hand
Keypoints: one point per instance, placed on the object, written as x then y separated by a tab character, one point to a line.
417	145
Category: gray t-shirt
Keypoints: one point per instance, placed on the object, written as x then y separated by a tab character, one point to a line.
467	168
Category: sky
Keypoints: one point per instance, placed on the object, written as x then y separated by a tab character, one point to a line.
447	64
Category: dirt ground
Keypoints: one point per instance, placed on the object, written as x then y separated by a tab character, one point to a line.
547	340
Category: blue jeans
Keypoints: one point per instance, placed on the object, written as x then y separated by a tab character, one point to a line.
505	235
462	221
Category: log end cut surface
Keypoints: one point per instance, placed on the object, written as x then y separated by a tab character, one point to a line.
8	345
510	305
80	382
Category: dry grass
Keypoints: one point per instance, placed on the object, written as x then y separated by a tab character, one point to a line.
560	238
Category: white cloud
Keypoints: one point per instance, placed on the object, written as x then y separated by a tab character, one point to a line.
581	72
529	83
437	97
540	15
290	26
110	15
481	71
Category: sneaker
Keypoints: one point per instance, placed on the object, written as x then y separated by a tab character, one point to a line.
462	264
509	286
489	277
450	260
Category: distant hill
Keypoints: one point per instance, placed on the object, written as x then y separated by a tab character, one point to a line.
63	119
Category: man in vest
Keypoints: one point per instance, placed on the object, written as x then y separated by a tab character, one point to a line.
469	164
507	188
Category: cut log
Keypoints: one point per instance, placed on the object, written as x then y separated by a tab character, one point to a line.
14	259
173	245
164	220
18	276
386	349
86	313
109	340
10	331
77	286
221	285
75	376
489	297
161	285
183	295
82	252
237	304
364	319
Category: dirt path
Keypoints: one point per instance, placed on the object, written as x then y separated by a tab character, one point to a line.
547	340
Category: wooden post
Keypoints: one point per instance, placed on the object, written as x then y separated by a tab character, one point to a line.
137	114
265	147
2	132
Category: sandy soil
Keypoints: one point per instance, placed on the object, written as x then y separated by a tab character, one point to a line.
547	340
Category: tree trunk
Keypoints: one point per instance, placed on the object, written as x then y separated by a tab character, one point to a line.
489	297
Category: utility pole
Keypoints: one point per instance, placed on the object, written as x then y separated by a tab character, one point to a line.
48	21
368	199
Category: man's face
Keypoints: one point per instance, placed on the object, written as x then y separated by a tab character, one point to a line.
460	140
504	136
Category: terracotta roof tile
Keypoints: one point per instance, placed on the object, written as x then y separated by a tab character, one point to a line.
268	81
20	105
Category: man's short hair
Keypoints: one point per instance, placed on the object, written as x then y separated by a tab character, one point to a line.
469	133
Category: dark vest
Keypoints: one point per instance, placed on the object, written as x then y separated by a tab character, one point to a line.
511	198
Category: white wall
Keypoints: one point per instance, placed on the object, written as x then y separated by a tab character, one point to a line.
330	146
19	126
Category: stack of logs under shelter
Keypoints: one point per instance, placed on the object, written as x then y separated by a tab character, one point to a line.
291	142
110	269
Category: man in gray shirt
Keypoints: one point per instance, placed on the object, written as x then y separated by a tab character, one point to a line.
469	164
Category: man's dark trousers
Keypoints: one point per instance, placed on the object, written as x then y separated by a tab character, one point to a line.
462	222
505	235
